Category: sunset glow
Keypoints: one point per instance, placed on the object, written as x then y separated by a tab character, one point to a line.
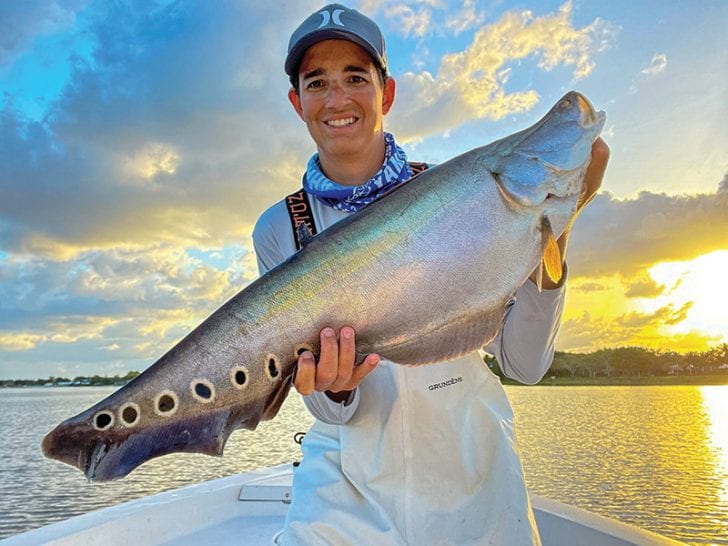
132	169
702	284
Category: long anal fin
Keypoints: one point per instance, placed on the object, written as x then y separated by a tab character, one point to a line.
552	260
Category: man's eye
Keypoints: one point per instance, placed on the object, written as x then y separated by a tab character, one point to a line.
357	79
315	84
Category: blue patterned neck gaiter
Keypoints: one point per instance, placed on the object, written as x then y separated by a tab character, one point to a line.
394	171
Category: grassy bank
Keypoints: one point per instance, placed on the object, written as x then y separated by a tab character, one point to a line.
712	379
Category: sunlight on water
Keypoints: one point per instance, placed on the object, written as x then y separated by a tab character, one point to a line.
656	457
643	455
715	402
35	491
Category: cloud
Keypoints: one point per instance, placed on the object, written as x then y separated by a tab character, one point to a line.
408	21
122	307
19	341
22	22
644	287
628	236
189	153
589	332
589	286
470	84
657	65
465	19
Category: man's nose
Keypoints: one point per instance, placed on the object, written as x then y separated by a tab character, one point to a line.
337	96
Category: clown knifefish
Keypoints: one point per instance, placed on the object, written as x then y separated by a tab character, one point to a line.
422	275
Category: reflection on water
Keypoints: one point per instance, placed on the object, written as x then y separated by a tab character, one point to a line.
715	403
644	455
35	491
653	456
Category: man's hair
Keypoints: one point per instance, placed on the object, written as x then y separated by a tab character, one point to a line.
383	77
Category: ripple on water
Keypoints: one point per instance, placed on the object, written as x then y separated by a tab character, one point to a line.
645	455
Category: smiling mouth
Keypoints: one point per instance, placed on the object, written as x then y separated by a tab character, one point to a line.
345	122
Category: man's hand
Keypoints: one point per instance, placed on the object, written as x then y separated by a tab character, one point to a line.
335	374
592	183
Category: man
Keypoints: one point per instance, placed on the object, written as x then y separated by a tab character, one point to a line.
391	460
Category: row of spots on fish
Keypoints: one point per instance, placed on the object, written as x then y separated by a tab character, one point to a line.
129	415
167	402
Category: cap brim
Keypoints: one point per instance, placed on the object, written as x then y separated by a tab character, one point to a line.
295	55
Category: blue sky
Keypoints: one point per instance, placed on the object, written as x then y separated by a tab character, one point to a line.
139	141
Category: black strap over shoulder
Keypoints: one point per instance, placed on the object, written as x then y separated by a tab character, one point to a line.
299	207
299	212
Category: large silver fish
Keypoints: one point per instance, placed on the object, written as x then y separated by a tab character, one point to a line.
423	275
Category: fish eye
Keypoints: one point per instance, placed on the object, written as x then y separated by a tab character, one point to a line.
203	390
566	103
165	404
103	420
239	377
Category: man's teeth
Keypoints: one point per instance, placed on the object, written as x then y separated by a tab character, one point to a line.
340	122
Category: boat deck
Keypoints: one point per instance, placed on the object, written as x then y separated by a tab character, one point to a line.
250	509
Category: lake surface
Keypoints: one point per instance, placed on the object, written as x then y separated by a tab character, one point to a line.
656	457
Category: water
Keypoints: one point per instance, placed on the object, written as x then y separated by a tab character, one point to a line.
656	457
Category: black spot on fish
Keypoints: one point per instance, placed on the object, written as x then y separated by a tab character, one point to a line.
103	420
240	377
129	415
203	391
166	403
272	368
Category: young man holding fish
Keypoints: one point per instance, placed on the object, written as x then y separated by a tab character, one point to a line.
398	455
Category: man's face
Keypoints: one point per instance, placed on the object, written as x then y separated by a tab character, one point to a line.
342	99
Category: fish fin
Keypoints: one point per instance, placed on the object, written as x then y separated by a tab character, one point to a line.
552	260
303	234
539	276
276	399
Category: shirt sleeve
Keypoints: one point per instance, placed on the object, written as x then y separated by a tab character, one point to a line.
326	410
524	347
270	250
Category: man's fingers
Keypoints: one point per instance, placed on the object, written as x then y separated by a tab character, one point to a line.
305	374
328	365
347	356
362	370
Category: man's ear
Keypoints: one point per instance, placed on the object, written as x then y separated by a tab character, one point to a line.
390	88
295	101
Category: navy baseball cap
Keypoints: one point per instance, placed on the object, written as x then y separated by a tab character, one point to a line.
336	22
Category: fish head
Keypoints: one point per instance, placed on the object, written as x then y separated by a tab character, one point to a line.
547	161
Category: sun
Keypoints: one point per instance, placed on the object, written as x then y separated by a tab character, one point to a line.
701	281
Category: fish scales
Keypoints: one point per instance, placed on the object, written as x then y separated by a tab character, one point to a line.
423	275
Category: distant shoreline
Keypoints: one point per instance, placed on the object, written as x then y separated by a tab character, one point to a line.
548	381
649	380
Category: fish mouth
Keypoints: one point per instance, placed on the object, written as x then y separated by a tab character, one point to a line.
590	118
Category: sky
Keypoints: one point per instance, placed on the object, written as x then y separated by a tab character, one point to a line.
140	141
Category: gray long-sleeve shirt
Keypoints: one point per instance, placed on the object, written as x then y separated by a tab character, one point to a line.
524	347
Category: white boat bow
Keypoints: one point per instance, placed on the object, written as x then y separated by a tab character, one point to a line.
250	508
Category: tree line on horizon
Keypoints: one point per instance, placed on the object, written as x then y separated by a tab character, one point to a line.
635	362
616	362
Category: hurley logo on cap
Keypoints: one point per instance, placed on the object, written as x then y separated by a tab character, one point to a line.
329	16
